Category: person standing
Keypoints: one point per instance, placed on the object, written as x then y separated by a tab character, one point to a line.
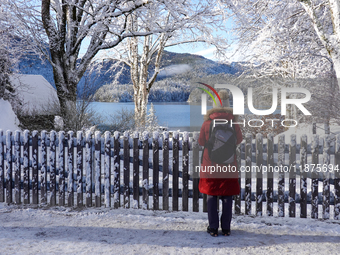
216	184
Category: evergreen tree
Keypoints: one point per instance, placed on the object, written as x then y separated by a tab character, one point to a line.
152	120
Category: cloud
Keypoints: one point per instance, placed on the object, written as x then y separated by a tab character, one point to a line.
174	69
206	52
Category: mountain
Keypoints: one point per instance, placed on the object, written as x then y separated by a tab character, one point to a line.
172	63
198	63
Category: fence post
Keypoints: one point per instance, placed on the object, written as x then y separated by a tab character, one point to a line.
175	170
237	198
43	169
107	169
35	167
166	170
314	128
17	167
327	128
126	170
292	175
155	170
145	170
135	170
195	176
2	168
9	170
248	159
70	167
61	168
259	173
326	188
303	177
116	161
185	173
26	181
315	177
281	179
80	156
88	167
205	197
337	180
270	174
53	186
97	160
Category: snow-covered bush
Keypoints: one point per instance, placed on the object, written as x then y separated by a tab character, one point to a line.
124	120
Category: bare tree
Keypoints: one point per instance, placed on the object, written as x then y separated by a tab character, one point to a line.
59	29
5	70
10	53
291	38
195	22
280	41
325	17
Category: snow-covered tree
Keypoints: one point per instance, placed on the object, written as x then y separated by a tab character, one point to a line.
10	52
276	37
325	17
5	70
281	41
183	22
61	29
288	37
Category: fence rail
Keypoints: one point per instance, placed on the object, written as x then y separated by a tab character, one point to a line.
111	170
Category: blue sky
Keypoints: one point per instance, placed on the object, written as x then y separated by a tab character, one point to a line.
208	52
199	48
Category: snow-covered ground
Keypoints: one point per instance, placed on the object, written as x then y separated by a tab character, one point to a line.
135	231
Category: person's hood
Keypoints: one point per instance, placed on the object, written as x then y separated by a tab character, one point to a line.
220	113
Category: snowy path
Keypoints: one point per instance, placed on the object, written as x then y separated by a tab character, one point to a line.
131	231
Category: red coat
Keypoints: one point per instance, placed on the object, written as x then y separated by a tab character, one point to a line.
218	186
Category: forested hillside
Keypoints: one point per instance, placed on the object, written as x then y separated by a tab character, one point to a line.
172	84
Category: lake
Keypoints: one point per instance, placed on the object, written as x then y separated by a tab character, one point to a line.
174	115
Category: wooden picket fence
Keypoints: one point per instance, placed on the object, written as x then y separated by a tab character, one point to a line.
309	154
89	169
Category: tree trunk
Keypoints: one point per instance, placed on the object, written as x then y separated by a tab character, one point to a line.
141	102
67	95
143	96
64	62
330	40
139	75
336	65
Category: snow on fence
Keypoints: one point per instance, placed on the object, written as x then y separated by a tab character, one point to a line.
91	169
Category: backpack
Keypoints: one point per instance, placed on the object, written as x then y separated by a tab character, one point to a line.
221	144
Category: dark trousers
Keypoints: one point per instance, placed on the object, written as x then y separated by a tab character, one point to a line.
213	213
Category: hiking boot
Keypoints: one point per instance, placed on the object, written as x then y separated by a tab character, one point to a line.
212	231
226	232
